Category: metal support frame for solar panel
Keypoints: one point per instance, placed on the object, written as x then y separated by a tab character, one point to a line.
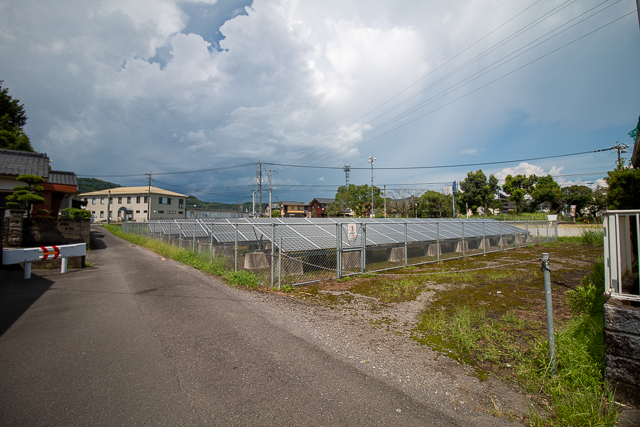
313	241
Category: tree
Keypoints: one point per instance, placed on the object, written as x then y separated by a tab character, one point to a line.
478	191
403	201
275	213
355	197
624	188
24	196
635	135
433	204
547	191
579	195
599	202
12	120
517	187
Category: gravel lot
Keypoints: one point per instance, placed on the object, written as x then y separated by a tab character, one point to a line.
375	338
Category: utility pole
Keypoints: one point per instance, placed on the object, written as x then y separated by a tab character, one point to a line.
253	206
270	207
148	175
347	168
621	148
109	207
260	186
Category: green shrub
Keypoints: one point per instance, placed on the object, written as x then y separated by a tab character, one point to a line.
75	213
241	278
591	237
589	298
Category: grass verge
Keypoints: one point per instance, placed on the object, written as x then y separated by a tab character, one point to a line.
512	345
201	261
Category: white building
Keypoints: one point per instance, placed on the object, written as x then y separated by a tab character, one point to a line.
134	204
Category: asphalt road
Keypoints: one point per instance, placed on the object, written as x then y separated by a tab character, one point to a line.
139	340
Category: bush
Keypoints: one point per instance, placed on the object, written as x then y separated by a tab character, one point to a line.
75	213
589	298
592	237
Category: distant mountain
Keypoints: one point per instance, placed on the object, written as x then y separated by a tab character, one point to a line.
86	185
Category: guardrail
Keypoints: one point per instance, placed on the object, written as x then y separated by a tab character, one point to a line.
42	253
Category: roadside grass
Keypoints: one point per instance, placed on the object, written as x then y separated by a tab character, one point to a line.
201	261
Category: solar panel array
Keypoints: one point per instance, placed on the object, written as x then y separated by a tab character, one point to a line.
303	234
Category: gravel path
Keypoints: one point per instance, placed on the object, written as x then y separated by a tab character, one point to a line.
375	339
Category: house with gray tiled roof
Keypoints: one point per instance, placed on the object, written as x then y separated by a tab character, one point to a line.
59	187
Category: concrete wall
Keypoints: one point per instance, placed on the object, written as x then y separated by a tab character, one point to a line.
622	340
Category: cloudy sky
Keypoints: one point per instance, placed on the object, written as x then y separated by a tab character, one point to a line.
118	88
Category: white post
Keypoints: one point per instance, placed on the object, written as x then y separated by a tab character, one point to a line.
63	265
27	270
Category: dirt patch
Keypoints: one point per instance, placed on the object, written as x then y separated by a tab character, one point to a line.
371	323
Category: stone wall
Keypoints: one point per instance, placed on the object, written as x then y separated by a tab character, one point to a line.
54	231
622	340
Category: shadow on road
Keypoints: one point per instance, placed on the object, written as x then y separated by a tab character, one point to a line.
18	294
97	240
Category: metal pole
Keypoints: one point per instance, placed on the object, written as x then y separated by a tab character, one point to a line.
501	237
194	238
484	240
363	261
464	253
27	270
549	304
279	261
211	246
235	248
405	246
385	196
63	265
438	240
273	250
339	249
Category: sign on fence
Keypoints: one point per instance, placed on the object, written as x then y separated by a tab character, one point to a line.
352	232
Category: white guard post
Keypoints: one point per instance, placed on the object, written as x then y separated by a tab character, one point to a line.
29	255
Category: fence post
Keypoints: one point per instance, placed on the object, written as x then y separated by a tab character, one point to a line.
484	240
211	246
235	248
463	248
279	261
179	236
438	240
515	239
549	305
273	250
406	255
501	237
363	261
194	238
339	249
547	231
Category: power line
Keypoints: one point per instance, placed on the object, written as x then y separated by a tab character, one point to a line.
474	77
447	166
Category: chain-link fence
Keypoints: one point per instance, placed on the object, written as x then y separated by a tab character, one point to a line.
294	251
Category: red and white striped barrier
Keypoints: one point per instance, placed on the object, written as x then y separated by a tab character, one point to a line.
29	255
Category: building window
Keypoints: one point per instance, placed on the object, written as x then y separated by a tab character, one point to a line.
119	200
138	212
138	200
181	203
161	212
171	212
164	200
128	199
93	213
144	211
93	201
110	199
102	200
85	201
180	212
110	214
145	200
101	214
